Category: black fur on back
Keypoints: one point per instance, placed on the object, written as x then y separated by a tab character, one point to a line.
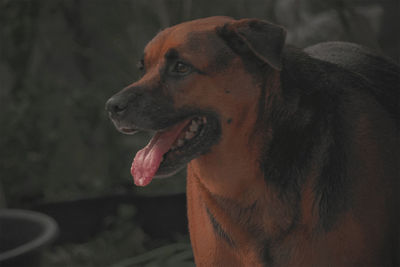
382	73
310	126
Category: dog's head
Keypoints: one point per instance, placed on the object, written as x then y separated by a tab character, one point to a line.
198	89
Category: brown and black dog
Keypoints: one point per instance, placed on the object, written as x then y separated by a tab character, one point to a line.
292	156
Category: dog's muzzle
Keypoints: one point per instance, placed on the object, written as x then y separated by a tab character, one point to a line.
116	106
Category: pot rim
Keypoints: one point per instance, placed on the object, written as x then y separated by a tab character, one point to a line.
50	231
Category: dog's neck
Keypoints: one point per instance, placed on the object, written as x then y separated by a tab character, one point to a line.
228	195
219	199
229	175
230	206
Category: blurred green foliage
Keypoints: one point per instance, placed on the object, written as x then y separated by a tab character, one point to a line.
60	60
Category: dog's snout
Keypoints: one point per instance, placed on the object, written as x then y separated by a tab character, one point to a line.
120	104
116	106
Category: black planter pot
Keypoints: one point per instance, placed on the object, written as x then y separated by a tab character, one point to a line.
22	235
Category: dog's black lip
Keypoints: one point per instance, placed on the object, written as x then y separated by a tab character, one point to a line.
133	129
129	131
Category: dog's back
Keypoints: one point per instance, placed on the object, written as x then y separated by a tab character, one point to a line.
382	73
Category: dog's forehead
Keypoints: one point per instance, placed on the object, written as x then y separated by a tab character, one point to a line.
184	35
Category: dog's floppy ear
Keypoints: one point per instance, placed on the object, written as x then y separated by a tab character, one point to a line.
253	36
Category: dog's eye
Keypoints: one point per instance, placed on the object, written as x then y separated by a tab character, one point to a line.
181	68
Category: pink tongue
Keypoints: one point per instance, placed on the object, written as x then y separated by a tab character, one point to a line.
147	161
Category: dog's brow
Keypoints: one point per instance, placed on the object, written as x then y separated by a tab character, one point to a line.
172	54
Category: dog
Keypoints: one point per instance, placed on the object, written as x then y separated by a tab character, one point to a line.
292	155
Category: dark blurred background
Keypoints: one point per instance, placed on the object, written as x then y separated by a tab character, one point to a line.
60	60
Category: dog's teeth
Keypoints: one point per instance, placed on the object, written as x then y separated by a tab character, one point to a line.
194	127
180	142
189	135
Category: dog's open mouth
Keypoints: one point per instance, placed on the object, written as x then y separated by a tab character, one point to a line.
171	149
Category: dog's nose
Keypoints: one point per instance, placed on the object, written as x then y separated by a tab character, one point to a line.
116	106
